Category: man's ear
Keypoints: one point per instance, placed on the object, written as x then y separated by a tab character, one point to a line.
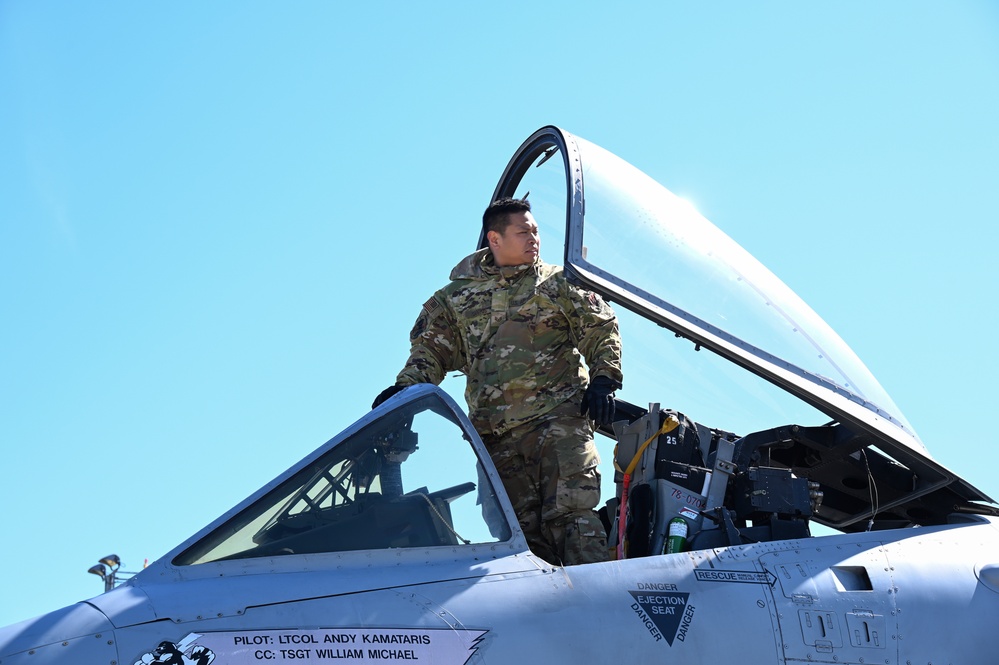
492	237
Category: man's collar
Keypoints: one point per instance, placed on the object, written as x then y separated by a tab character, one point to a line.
488	265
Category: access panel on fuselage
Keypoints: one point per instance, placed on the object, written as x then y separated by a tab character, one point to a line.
835	603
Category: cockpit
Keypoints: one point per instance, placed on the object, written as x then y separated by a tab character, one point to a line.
744	417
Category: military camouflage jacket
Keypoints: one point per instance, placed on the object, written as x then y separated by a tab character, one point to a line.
517	333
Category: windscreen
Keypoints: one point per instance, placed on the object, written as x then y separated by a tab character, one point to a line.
407	480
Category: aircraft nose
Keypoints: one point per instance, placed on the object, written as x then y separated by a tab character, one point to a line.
73	635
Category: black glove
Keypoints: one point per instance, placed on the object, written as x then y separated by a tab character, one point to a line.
598	400
385	394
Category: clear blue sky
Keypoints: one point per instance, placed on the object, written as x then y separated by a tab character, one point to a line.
219	220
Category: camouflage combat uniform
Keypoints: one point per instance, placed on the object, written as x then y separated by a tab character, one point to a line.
519	334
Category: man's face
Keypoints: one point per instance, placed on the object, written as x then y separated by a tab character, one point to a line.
518	244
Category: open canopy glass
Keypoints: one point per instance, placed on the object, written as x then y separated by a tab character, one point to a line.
765	358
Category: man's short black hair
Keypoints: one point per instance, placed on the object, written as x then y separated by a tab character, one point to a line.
497	215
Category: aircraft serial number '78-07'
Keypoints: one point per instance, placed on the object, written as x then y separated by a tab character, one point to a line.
395	542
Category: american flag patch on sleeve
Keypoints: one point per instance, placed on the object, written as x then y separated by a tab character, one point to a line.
431	306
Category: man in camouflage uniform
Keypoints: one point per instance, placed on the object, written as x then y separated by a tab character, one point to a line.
519	330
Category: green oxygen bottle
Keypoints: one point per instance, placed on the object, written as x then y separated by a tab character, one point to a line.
677	540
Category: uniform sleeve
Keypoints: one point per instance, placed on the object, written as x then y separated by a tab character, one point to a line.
435	345
594	327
